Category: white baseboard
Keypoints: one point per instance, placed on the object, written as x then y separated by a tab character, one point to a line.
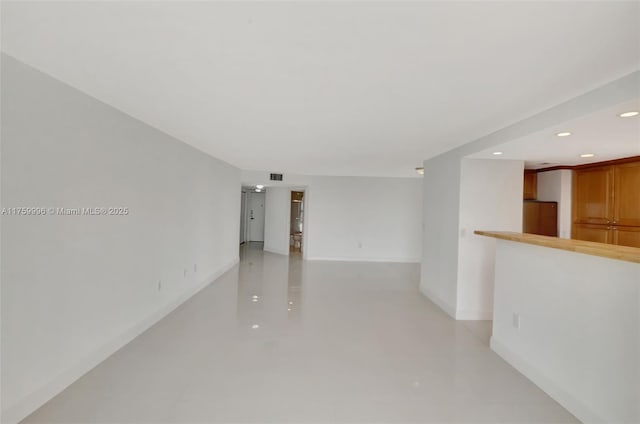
474	315
441	303
276	251
550	387
25	406
349	259
453	312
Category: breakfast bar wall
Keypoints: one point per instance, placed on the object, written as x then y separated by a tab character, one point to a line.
566	315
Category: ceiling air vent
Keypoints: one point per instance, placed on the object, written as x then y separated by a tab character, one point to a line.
276	177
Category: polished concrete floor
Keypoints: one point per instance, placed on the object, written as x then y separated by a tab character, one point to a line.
282	340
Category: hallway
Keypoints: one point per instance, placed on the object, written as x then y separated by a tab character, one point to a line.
278	339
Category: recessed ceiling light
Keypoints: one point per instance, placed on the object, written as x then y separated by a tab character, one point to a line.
260	186
255	299
587	155
497	153
420	171
563	134
629	114
258	190
255	326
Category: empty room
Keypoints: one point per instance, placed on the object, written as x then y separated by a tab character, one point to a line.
319	212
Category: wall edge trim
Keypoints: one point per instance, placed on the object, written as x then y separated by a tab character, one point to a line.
470	315
438	301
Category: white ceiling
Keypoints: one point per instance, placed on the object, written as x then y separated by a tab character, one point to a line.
335	88
604	134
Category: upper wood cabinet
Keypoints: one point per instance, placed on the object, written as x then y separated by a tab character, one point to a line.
530	186
626	183
593	196
606	203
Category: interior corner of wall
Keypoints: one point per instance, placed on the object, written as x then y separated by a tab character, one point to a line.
438	301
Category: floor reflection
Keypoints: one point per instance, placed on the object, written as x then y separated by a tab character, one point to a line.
294	287
269	288
278	339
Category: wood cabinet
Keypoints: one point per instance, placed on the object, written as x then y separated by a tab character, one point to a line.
606	204
626	202
622	236
540	218
530	186
626	236
592	232
593	196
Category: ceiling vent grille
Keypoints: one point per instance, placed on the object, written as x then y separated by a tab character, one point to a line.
275	177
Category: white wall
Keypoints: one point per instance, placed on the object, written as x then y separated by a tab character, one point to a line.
556	186
364	219
579	333
441	207
356	218
76	288
490	199
277	218
441	189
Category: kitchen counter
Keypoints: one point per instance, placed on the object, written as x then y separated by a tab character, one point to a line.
611	251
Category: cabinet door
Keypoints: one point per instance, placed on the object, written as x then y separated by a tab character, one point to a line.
626	236
530	187
593	196
589	232
530	217
548	219
626	196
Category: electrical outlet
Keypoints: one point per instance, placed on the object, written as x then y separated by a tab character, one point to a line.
159	285
516	321
185	272
195	267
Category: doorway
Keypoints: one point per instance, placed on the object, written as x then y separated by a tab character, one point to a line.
243	215
251	215
255	216
296	226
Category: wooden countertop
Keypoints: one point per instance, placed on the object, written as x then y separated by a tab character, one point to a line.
612	251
